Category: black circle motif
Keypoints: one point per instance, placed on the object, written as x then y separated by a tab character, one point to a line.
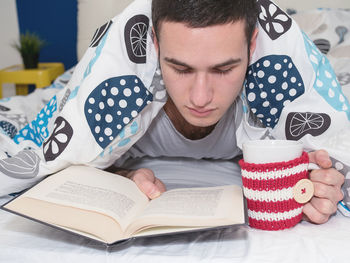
58	140
343	78
3	108
273	20
323	45
23	165
298	124
99	33
135	34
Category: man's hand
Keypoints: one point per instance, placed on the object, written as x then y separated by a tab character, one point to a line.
327	183
147	182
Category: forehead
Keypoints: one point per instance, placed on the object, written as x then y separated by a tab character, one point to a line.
182	27
178	39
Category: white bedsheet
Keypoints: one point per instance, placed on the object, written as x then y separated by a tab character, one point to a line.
23	240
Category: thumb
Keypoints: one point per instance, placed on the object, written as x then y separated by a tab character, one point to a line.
321	158
146	181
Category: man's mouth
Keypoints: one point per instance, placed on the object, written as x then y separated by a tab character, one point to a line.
200	112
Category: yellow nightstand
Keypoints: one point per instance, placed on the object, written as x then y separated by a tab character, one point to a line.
41	77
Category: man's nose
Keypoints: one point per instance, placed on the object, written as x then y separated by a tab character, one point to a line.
201	93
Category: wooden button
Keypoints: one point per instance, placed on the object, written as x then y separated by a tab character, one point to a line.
303	191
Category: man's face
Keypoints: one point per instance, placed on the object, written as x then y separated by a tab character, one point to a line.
203	68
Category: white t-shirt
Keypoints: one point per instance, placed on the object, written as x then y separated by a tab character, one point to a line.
163	140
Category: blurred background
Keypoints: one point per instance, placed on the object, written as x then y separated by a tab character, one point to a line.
68	25
55	21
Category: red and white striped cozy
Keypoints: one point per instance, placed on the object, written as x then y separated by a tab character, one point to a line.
268	189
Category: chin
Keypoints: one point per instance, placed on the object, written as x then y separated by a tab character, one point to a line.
201	122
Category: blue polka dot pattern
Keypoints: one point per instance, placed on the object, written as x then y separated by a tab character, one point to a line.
131	129
271	83
36	130
113	104
326	84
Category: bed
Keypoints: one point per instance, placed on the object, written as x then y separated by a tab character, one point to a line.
22	240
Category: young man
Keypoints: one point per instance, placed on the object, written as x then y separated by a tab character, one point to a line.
204	49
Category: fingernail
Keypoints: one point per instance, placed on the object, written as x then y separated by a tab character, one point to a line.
327	162
154	194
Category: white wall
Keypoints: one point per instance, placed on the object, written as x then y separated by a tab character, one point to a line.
9	32
91	15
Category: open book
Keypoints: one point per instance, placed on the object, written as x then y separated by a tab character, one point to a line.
110	208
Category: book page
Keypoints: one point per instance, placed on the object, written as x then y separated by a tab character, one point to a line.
84	222
193	207
92	189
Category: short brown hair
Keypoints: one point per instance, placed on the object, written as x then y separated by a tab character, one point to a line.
203	13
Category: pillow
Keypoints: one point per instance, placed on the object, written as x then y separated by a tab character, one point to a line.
300	5
91	15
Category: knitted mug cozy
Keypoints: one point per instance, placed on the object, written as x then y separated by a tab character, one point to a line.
268	189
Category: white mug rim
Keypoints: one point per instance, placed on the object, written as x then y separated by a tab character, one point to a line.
266	151
272	143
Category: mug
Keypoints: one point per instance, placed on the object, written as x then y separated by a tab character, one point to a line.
275	184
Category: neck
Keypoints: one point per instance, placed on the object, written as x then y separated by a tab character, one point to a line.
188	130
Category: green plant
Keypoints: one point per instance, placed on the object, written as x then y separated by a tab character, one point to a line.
29	47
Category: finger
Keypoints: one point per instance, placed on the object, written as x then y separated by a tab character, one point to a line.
324	205
149	175
314	215
160	185
146	186
146	173
333	193
146	182
143	174
321	158
327	176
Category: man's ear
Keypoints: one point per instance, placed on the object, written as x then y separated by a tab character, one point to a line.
253	42
155	40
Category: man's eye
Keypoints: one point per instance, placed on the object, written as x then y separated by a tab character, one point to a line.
222	71
182	70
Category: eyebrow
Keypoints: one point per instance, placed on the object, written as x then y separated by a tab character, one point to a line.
230	61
